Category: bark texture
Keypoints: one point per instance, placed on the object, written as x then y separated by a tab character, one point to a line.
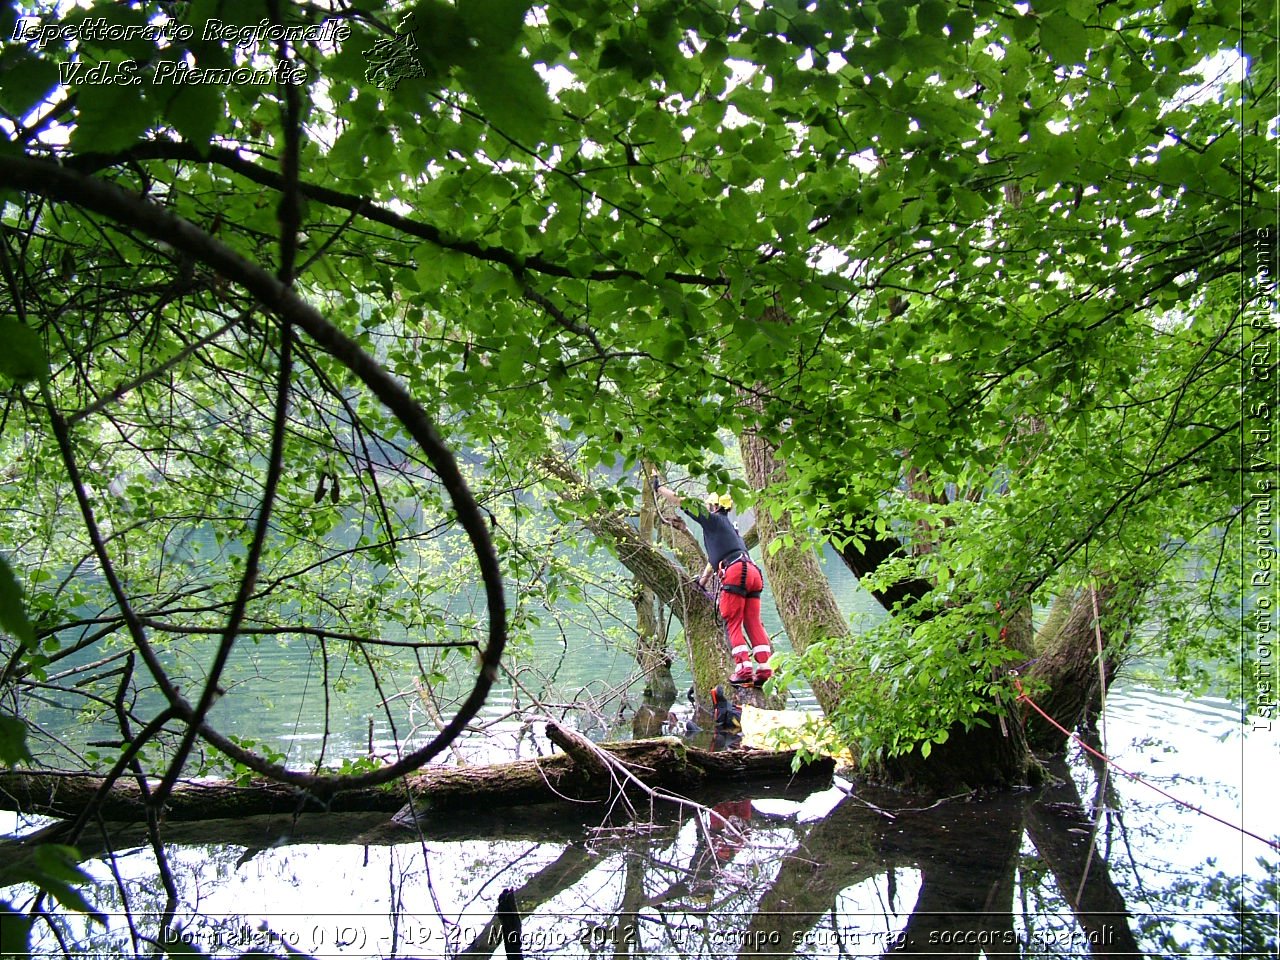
867	552
987	757
1065	676
665	763
653	646
800	590
669	582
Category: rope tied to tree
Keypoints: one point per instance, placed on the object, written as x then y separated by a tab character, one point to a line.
1024	697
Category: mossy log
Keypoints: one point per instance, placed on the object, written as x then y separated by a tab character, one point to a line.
665	763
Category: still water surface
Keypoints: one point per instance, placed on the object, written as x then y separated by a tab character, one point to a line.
812	874
816	872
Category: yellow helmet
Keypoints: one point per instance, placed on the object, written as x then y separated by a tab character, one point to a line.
723	501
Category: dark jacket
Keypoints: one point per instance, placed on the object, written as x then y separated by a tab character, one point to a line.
719	536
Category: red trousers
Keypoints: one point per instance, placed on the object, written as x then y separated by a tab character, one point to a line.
743	612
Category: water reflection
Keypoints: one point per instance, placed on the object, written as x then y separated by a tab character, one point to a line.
822	875
1082	868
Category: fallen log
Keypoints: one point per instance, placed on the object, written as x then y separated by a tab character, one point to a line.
664	763
558	823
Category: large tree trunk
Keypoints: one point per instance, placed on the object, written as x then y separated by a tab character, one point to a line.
653	646
863	550
1065	675
800	589
667	764
979	757
993	753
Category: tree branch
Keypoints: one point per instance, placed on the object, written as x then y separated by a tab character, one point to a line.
59	183
164	150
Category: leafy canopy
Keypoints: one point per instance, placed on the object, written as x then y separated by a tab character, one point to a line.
995	247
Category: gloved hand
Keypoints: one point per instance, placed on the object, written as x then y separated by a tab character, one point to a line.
656	481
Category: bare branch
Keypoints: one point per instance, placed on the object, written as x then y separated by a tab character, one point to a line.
59	183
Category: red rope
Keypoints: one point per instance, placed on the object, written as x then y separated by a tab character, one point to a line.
1023	697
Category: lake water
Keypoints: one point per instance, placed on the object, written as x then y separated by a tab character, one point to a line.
276	695
812	874
822	871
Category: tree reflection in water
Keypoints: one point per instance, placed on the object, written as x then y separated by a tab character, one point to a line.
827	876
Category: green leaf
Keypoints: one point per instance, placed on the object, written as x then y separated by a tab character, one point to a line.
440	33
111	117
930	16
194	112
1063	39
494	23
15	933
25	80
961	25
511	95
893	17
13	613
21	352
13	740
55	869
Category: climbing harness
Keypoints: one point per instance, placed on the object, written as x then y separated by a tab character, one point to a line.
740	588
1024	697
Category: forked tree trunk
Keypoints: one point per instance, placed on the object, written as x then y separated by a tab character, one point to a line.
669	582
980	757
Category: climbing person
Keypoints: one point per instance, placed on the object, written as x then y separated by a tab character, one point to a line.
741	584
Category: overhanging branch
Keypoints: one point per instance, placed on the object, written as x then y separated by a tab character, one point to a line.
231	160
55	182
